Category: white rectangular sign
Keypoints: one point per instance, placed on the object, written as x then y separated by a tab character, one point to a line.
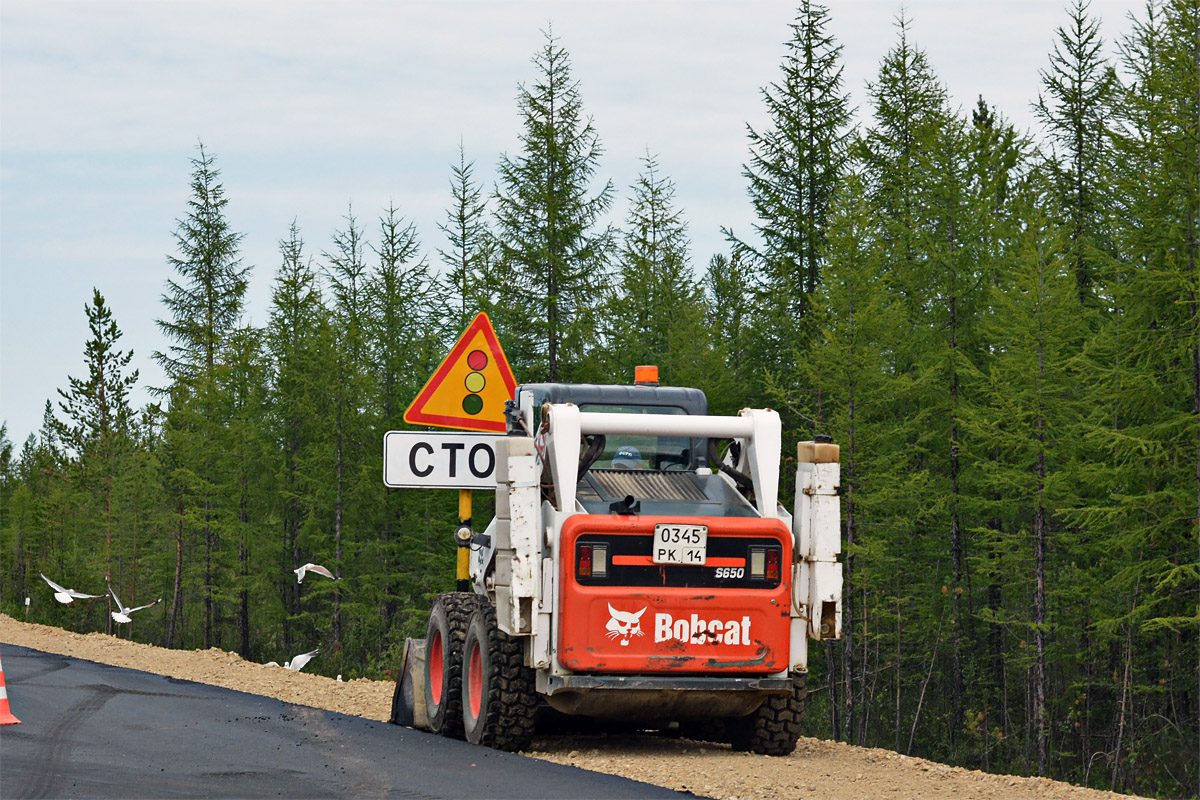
429	460
680	544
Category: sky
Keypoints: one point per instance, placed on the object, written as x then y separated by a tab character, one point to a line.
319	110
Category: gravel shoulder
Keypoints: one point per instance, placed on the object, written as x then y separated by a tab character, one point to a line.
818	770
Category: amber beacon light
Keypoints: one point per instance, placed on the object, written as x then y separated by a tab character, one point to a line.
645	375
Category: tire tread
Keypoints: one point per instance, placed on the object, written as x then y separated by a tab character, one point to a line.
457	608
510	706
774	728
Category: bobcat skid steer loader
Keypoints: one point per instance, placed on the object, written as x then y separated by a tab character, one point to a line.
634	575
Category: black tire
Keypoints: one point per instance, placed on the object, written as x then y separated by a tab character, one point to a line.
499	698
444	636
774	728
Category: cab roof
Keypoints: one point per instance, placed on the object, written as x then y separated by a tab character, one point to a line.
692	401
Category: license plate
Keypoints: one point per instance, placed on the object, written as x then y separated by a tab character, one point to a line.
681	544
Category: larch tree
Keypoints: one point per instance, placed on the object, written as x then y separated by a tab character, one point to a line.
469	278
656	313
1080	88
1022	430
99	420
847	365
299	340
247	481
405	331
729	289
907	156
348	273
795	165
553	252
1152	378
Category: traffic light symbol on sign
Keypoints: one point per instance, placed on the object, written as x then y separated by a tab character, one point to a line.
475	382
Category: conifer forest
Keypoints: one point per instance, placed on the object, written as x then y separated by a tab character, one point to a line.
1001	329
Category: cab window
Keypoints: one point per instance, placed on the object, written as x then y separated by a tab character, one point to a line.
642	451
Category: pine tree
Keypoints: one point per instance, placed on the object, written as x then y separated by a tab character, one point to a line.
554	257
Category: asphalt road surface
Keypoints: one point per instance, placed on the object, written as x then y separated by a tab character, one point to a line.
92	730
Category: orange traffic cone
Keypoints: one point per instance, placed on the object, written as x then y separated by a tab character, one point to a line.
6	716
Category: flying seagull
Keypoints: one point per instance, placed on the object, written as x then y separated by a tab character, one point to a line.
310	567
123	614
65	596
297	663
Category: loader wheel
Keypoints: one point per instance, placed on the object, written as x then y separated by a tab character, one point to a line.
498	695
773	729
444	637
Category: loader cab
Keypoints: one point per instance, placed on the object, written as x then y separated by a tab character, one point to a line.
669	475
655	453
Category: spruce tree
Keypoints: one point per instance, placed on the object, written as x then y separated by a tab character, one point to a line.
554	254
204	306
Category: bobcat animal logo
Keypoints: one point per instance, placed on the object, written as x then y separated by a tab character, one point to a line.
624	624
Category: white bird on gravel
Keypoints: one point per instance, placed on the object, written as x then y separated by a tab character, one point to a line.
123	614
297	663
310	567
65	596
